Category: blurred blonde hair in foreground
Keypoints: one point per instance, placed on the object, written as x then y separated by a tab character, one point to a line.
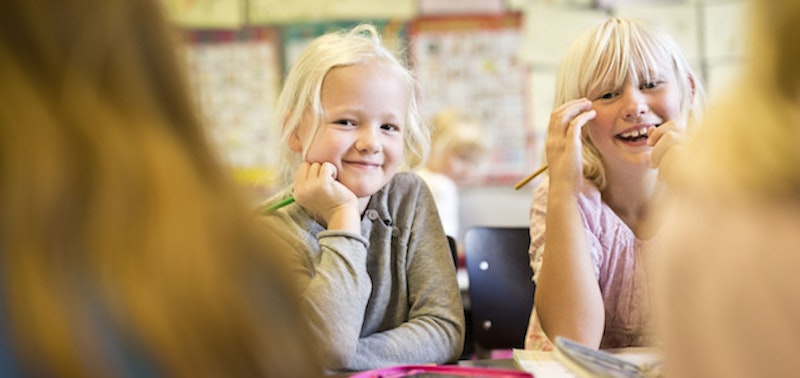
730	281
125	250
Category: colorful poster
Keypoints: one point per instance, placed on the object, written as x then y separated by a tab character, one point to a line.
236	78
471	63
297	36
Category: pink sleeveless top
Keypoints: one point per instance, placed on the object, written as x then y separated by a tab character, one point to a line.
620	265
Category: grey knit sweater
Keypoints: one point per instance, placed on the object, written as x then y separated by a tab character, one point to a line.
388	296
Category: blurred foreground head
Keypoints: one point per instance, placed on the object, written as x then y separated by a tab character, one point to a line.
124	247
730	280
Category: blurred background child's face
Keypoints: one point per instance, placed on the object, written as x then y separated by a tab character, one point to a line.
362	126
619	130
458	165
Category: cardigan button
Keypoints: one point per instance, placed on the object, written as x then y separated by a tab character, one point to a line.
372	214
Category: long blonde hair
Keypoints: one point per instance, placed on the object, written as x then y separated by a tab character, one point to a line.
123	244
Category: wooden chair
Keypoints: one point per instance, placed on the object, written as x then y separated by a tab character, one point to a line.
500	286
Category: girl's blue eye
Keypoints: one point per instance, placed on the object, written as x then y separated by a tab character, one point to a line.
390	127
606	96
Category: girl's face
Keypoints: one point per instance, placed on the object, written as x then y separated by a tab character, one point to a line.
619	130
362	126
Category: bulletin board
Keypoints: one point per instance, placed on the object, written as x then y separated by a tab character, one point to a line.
236	76
295	37
471	63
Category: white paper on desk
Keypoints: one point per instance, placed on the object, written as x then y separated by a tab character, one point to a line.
540	364
544	365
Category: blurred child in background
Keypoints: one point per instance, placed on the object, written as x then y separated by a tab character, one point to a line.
378	277
730	248
125	250
624	96
457	146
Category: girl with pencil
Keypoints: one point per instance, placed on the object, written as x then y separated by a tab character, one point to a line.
624	96
375	267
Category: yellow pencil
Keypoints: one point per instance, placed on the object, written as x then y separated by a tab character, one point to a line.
530	177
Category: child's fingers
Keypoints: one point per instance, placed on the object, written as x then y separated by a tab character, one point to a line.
654	133
328	170
665	143
577	123
301	175
562	116
312	173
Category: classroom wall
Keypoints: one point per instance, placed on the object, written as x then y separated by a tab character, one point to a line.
499	56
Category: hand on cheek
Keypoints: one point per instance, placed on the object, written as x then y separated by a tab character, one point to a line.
317	190
666	141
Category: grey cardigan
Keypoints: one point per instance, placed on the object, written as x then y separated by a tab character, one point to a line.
386	297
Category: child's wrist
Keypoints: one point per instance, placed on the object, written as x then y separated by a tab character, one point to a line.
344	217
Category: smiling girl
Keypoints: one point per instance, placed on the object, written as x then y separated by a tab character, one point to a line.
624	96
378	276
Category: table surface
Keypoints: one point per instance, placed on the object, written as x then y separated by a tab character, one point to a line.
502	363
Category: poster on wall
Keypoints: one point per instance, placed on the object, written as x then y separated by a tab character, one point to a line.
471	63
296	36
236	77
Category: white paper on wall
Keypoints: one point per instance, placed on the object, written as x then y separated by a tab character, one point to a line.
724	31
542	94
282	11
679	20
206	13
548	31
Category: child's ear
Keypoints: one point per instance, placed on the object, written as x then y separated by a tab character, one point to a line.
294	142
692	88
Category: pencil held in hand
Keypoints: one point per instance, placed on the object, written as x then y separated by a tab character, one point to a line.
530	177
278	205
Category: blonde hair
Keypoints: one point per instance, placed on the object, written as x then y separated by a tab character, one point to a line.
454	132
124	247
748	142
301	92
605	55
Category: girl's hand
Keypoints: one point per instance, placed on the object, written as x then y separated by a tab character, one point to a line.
666	141
316	190
563	147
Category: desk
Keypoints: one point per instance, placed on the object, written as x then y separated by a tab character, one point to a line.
540	364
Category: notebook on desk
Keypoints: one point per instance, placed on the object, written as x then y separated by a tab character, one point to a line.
570	359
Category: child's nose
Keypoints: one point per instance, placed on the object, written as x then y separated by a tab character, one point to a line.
635	104
368	140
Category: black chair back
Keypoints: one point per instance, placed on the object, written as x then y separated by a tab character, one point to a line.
500	286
